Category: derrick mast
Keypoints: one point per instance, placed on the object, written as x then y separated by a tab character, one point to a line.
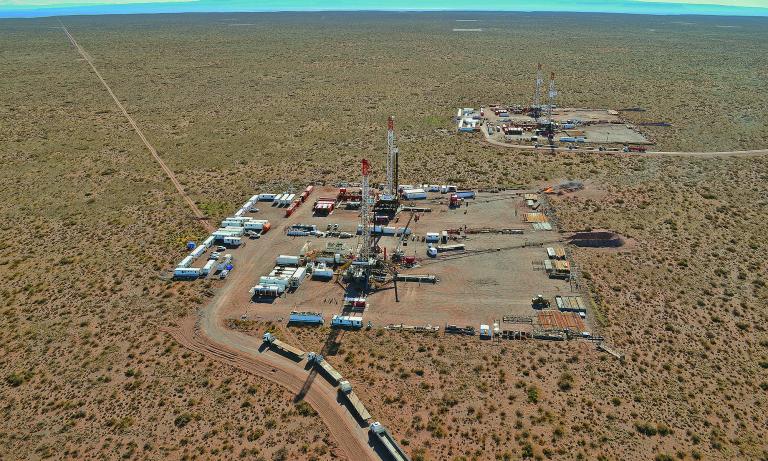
391	189
365	217
536	107
551	102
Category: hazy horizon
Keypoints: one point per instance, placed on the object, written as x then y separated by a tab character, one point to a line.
42	8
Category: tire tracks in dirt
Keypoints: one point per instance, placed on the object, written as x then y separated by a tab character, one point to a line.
168	172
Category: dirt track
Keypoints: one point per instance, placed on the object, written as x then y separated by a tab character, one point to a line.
207	334
168	172
543	148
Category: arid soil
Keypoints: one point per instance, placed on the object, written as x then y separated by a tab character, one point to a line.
90	226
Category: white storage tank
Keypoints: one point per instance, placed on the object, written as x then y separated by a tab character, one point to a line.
414	194
286	260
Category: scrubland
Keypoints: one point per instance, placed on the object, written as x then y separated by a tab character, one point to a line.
235	104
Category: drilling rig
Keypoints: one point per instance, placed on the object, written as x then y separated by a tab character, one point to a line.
388	202
536	106
550	128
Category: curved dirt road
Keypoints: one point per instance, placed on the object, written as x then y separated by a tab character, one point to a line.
243	352
745	153
207	334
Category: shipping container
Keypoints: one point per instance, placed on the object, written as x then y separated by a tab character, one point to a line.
464	194
298	277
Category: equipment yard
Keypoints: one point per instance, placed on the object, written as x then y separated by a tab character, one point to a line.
473	286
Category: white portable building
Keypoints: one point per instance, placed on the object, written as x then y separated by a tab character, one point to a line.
186	272
208	267
233	240
198	251
346	321
209	241
186	261
267	197
281	282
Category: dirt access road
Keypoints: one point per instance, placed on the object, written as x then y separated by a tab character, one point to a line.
168	172
207	334
544	148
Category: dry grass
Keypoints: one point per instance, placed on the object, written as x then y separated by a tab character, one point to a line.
89	225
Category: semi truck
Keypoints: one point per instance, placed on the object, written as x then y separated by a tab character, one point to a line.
390	445
330	373
281	347
346	390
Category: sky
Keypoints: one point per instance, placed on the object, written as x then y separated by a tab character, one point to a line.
31	8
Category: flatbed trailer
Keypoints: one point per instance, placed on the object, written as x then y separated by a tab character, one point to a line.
382	434
346	389
333	376
282	347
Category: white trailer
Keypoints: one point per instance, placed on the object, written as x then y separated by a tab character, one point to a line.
209	241
267	197
186	272
346	321
285	348
260	290
186	261
198	251
432	237
276	281
389	442
233	240
205	270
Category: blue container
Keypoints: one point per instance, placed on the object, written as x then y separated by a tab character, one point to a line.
230	267
191	246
